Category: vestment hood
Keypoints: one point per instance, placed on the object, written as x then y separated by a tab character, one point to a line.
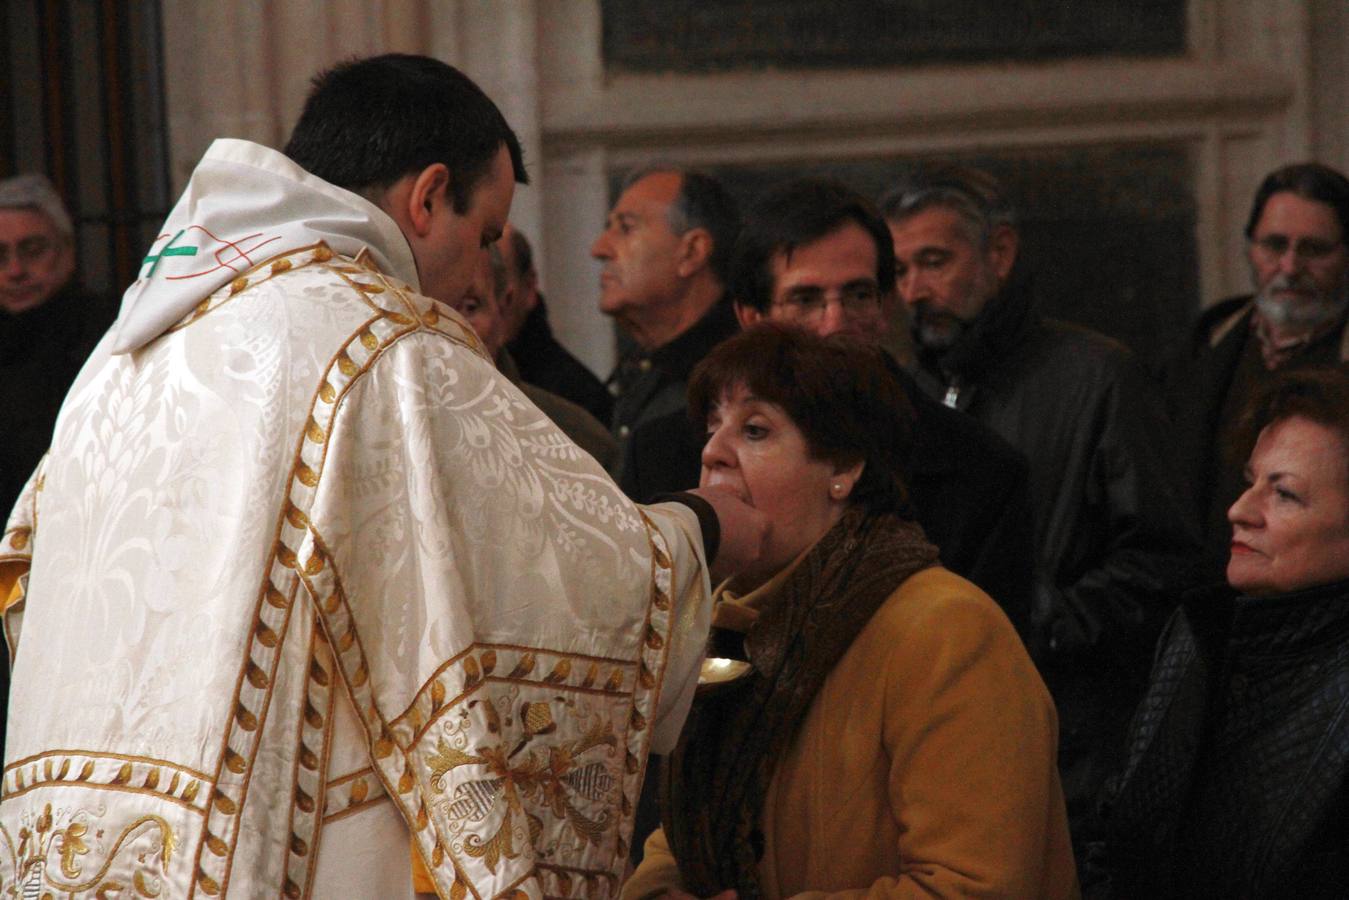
245	204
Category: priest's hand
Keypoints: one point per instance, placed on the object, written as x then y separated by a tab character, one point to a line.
744	533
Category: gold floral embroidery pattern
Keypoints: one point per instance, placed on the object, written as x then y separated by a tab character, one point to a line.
495	817
67	835
126	774
351	793
508	663
311	763
276	599
560	777
300	556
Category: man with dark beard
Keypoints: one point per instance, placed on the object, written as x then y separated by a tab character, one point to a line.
1300	268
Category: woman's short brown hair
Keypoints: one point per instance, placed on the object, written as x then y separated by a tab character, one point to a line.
1319	395
839	392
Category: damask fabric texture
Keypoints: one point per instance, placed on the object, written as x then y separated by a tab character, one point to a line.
583	428
1237	782
304	577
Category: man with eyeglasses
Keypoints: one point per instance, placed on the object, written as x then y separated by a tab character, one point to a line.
1113	541
816	253
1296	234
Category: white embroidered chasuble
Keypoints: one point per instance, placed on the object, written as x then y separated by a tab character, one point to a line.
309	578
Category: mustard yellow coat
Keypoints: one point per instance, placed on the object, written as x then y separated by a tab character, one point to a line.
924	768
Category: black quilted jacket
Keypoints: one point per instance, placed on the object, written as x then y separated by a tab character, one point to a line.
1235	784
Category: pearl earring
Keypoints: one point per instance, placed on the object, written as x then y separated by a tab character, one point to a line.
838	488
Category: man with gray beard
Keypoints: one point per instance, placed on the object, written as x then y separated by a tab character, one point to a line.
1296	319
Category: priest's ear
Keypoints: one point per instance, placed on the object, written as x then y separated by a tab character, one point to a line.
414	200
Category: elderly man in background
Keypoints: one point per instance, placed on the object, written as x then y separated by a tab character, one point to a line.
1113	541
541	359
48	323
1296	233
666	249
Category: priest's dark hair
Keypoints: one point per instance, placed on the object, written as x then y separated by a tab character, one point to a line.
369	122
792	215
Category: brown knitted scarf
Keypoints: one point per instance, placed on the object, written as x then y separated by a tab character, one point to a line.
718	776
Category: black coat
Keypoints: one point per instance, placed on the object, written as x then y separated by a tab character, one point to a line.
649	384
41	352
1237	782
545	363
967	487
1114	536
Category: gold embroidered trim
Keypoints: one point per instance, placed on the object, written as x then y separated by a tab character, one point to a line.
148	760
313	742
519	662
263	272
17	540
655	654
392	765
271	616
562	773
351	792
108	772
561	881
357	808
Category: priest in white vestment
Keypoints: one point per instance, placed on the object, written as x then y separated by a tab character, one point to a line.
304	582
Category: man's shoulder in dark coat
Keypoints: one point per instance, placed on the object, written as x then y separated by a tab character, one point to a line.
544	362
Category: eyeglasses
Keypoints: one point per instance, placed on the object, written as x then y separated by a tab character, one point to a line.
28	250
1305	249
810	303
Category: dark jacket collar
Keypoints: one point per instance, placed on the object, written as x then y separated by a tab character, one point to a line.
1252	628
535	332
678	357
70	310
1004	323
